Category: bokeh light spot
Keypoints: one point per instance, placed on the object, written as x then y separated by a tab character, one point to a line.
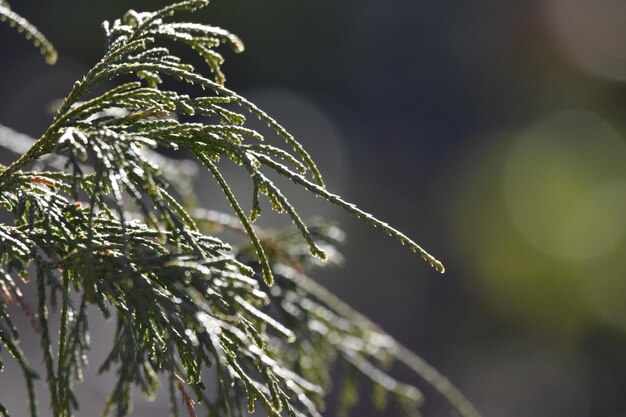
563	185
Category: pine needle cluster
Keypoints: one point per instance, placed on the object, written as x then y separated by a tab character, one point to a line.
103	219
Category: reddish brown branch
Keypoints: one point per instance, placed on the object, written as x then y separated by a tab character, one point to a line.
187	400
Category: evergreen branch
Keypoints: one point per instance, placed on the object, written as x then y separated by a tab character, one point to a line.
348	318
351	208
277	199
285	205
187	400
142	22
46	344
437	381
184	300
272	151
63	382
265	266
186	74
30	32
29	374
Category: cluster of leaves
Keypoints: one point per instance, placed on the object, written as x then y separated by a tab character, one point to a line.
106	223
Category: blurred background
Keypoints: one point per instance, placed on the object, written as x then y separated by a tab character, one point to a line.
493	132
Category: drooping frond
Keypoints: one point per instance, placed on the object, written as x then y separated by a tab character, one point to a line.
334	326
30	31
108	221
132	52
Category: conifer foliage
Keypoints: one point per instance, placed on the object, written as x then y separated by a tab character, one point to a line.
105	220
